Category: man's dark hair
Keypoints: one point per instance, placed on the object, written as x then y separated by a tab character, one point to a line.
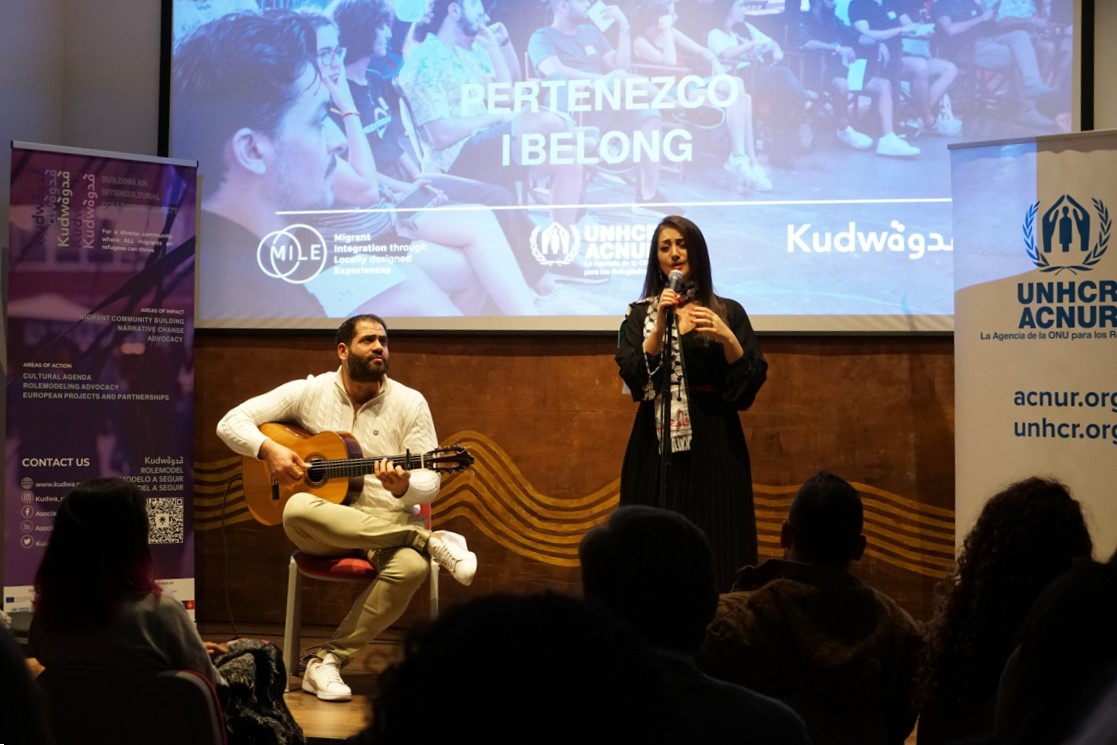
348	328
357	23
653	569
826	518
432	21
239	70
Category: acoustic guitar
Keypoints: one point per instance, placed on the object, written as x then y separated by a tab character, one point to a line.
337	469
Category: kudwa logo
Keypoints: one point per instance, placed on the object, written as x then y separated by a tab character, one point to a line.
1067	240
295	254
555	245
855	240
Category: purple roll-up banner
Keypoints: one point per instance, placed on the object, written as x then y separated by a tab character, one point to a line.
100	343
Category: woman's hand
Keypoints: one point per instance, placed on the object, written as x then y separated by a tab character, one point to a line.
653	344
213	649
340	95
707	322
667	299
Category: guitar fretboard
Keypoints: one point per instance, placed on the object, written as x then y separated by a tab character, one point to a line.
332	469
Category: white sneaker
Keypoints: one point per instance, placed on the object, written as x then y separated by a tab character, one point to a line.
738	165
893	147
748	173
323	679
757	179
855	139
451	553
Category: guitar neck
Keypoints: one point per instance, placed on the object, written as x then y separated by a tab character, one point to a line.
350	467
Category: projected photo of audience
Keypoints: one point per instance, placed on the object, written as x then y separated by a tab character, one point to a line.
502	159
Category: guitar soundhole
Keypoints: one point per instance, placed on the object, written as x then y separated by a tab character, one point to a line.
316	474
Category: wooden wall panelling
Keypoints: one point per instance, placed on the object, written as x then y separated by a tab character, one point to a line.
545	416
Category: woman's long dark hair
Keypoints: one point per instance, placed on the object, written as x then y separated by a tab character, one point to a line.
1026	536
97	553
697	256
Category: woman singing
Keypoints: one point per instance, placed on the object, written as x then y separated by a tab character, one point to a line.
716	370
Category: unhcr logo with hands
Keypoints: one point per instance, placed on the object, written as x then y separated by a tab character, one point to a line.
555	245
1070	238
295	254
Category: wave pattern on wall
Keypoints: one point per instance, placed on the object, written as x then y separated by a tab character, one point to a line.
495	497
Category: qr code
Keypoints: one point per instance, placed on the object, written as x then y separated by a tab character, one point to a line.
164	520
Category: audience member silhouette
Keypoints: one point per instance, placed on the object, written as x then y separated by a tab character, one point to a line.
653	569
1065	660
99	610
544	668
23	712
1099	724
805	630
1025	536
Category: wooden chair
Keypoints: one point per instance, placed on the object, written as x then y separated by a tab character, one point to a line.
352	568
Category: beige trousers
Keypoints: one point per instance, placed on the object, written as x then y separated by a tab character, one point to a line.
395	548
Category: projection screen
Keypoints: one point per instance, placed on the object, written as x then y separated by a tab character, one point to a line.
504	172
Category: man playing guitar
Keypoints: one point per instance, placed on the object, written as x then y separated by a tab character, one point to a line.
384	416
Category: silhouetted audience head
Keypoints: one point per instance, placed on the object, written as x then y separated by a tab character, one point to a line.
824	523
1025	536
542	668
1066	658
654	570
97	552
23	710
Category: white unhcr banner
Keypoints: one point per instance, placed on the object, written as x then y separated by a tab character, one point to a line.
1035	339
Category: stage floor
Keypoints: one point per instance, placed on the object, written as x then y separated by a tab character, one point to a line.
327	723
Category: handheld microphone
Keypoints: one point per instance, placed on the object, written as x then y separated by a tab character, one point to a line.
674	281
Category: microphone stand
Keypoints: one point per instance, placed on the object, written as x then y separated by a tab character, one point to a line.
666	371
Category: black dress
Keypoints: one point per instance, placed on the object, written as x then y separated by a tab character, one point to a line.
711	484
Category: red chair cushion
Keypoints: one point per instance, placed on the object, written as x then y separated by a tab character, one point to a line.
334	567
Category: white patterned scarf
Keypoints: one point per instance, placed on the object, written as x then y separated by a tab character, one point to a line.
680	415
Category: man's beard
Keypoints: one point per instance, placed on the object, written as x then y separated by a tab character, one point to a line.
469	27
360	371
